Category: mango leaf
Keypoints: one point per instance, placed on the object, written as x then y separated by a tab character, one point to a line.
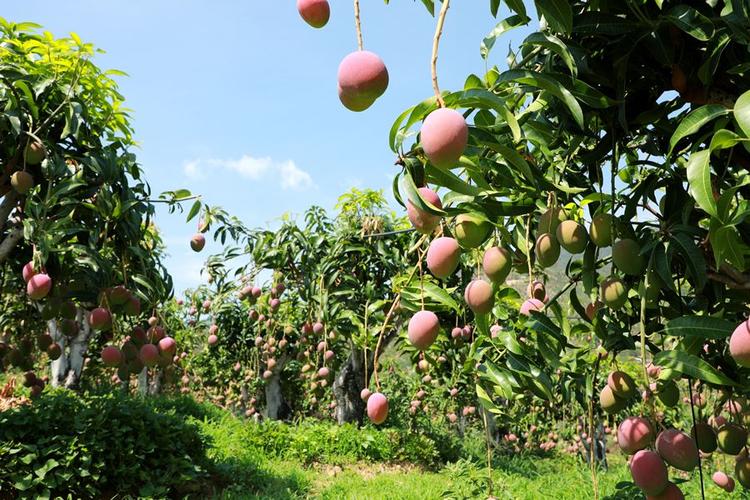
554	44
416	198
486	400
691	366
558	14
699	180
704	327
695	120
503	26
545	82
691	22
693	257
742	113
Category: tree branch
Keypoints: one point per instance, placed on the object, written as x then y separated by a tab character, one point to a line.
10	242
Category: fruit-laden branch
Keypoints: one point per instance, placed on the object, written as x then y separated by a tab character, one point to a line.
435	45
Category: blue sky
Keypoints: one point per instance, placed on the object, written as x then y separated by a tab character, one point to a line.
236	100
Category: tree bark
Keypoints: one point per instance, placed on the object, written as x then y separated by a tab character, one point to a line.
348	385
66	371
274	396
143	379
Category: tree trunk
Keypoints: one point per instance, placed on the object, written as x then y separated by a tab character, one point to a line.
143	379
274	398
347	387
66	370
156	383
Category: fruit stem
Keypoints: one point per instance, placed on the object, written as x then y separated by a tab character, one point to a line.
592	445
358	25
695	436
435	45
489	451
396	302
528	252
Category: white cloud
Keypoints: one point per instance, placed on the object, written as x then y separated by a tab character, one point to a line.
287	173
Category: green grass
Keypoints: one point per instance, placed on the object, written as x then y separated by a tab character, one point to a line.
257	474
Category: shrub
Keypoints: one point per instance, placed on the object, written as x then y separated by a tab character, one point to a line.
99	445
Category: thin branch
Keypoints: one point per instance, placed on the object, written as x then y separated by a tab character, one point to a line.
358	25
435	46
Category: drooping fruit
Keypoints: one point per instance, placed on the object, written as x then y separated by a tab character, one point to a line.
609	402
423	329
600	230
572	236
739	344
551	219
479	296
28	271
362	78
677	449
111	356
365	394
118	295
323	372
731	439
547	250
443	256
626	255
100	319
424	222
613	293
213	339
723	481
704	436
444	136
22	181
634	434
622	384
531	305
497	264
649	472
377	408
168	345
39	286
537	290
742	471
54	351
149	354
671	492
34	153
132	306
197	242
471	230
315	12
668	393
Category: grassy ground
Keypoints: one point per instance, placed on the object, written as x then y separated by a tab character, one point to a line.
521	477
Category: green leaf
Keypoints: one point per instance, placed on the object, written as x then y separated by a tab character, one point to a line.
485	399
699	180
694	121
412	193
691	366
704	327
558	14
517	6
549	84
194	210
503	26
554	44
516	161
693	257
742	113
691	22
